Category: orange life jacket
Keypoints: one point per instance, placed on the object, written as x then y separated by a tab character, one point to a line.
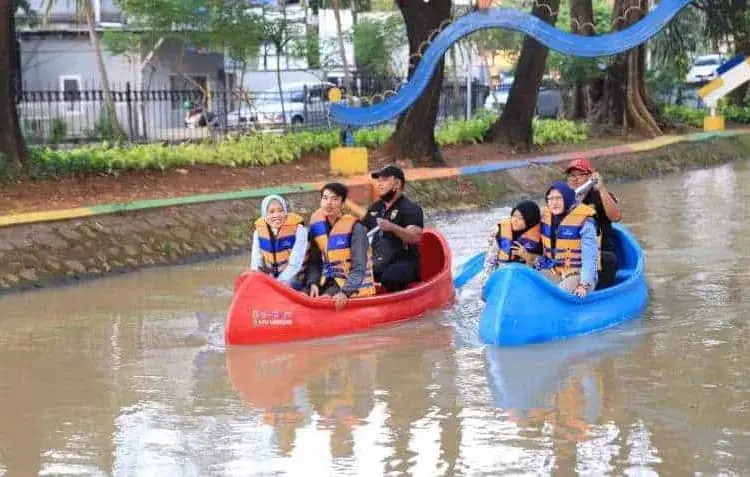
529	239
276	250
566	256
337	253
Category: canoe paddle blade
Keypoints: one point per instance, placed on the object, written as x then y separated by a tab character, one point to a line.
469	270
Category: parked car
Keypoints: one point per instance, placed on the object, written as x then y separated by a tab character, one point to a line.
304	103
549	101
704	68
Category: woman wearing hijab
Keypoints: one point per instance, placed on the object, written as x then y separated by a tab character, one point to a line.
570	249
517	239
279	243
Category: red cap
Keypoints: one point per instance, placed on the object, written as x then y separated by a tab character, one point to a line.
581	164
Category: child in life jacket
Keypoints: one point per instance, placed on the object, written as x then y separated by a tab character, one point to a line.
516	239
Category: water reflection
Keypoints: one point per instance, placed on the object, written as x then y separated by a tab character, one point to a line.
560	392
345	387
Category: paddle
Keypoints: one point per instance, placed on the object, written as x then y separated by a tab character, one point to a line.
372	233
469	270
475	264
585	188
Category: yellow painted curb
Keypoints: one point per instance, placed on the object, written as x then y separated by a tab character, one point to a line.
45	216
424	173
655	143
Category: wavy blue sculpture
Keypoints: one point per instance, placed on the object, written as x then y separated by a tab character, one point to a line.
511	19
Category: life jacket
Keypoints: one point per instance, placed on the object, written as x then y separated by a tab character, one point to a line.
276	250
337	253
529	239
566	259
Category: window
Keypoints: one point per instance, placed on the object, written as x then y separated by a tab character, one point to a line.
70	86
708	61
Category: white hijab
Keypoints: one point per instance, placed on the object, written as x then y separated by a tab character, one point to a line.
266	203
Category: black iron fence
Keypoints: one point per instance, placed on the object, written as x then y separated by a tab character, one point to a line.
166	115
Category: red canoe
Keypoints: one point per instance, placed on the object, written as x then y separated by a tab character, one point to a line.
266	311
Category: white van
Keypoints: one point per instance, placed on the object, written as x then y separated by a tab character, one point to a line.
304	104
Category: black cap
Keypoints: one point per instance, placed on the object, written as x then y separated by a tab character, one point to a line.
390	171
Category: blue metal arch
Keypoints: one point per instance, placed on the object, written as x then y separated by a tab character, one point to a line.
511	19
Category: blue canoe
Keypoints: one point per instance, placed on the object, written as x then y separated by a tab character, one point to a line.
523	307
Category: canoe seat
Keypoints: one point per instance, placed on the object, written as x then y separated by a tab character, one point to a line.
379	290
623	275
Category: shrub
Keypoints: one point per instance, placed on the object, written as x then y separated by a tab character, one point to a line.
262	149
685	115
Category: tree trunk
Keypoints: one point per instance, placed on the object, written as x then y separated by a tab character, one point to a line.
514	127
624	101
414	137
12	145
342	49
581	23
109	103
278	83
642	68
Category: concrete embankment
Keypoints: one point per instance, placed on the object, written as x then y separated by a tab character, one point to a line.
45	248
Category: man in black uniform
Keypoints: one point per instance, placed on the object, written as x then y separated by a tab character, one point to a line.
395	248
579	171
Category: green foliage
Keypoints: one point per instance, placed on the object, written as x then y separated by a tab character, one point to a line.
558	131
724	19
497	39
220	26
59	131
472	131
261	149
602	17
105	128
694	117
255	150
374	41
308	47
373	138
736	114
575	70
684	115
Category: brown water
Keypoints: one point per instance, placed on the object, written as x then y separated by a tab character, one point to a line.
129	376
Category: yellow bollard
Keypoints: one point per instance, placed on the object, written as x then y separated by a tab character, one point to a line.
349	160
346	160
713	123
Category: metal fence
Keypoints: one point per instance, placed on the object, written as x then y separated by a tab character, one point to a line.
165	115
